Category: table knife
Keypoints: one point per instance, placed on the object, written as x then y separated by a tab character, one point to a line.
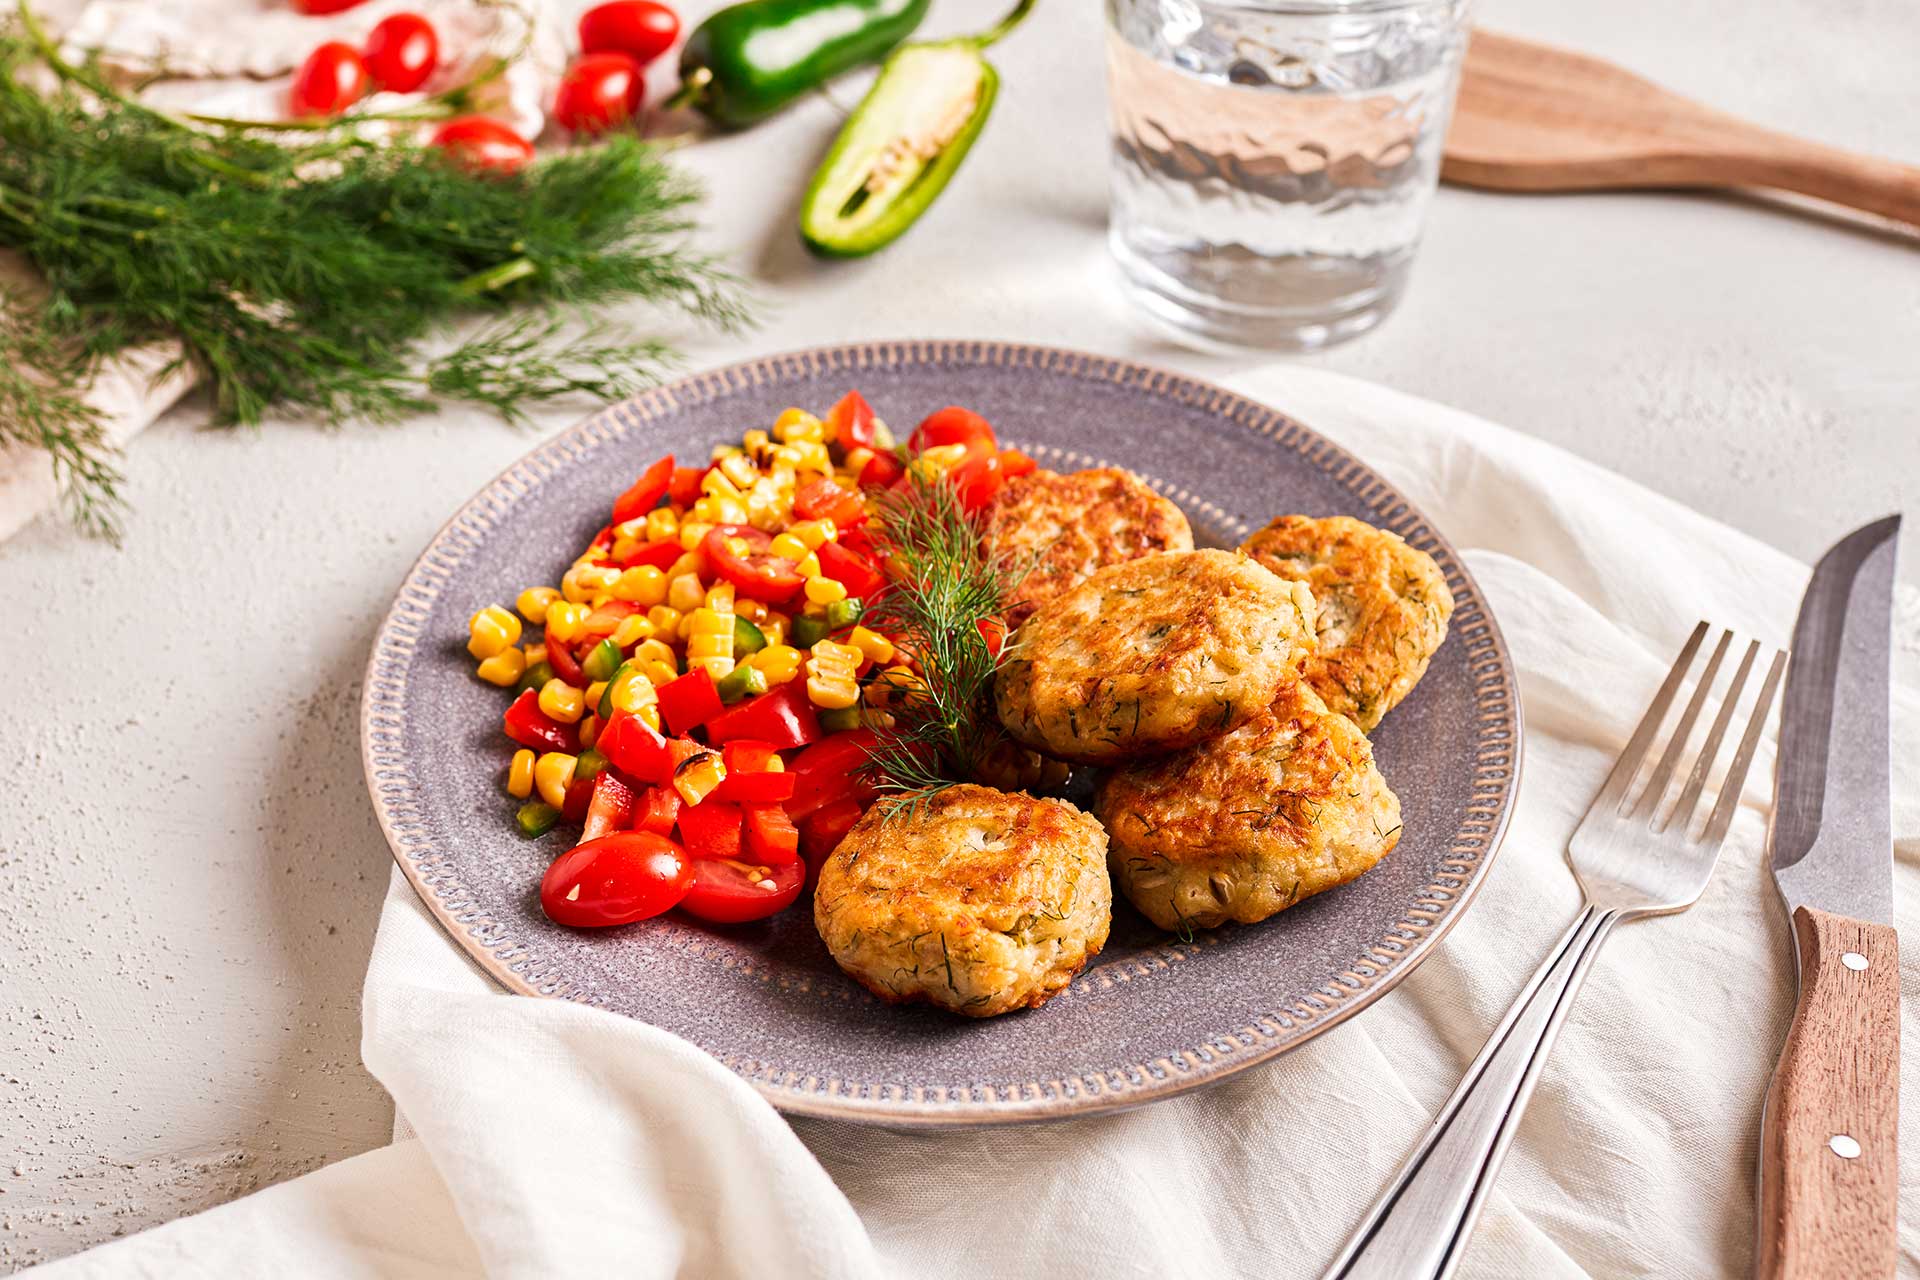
1829	1159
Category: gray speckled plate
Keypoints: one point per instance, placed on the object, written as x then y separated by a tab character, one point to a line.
1153	1016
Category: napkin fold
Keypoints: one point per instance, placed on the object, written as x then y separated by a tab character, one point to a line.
554	1139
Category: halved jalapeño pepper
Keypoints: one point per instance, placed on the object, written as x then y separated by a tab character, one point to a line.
749	60
903	143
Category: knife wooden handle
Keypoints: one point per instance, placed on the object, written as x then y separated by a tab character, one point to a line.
1829	1153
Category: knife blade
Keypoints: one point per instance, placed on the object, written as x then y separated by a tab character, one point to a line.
1829	1133
1831	840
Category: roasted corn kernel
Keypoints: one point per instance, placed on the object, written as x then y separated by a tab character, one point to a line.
491	630
662	524
551	774
630	689
632	630
533	603
520	775
564	621
830	675
797	425
561	701
697	776
503	668
778	662
824	590
685	592
875	646
589	731
642	585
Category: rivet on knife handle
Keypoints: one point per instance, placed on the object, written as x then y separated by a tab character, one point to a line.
1829	1149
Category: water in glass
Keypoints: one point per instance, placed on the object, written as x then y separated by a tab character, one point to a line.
1272	162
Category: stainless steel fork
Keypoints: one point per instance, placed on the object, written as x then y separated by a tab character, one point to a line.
1634	855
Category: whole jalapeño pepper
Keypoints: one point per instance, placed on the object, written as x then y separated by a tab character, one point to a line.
904	141
749	60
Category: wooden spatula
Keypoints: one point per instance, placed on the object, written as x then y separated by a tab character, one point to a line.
1536	118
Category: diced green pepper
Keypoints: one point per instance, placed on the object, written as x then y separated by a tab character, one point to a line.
589	765
834	719
605	709
742	682
809	631
602	662
534	677
842	614
747	638
536	818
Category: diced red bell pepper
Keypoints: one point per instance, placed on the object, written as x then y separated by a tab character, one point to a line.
658	811
1014	463
771	834
782	718
603	620
754	775
529	726
994	632
859	575
684	489
852	421
579	799
610	809
977	478
690	701
604	538
636	748
646	492
658	554
833	768
822	831
743	755
560	657
825	500
881	471
711	829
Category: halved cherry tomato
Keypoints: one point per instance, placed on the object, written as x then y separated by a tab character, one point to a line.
711	829
881	471
690	701
684	489
616	879
529	726
729	891
640	29
951	425
770	833
823	830
599	91
636	748
401	52
475	142
755	572
646	492
1014	464
332	79
852	422
610	809
658	811
977	478
319	8
859	575
834	768
565	665
782	718
825	500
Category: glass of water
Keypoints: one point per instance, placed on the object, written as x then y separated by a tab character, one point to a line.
1273	159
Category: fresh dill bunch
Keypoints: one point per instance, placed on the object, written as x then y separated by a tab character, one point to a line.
946	587
309	278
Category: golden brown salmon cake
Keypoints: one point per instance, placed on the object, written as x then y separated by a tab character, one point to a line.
1246	825
979	901
1153	655
1067	526
1383	608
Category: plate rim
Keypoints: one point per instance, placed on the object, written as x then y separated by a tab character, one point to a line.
1384	962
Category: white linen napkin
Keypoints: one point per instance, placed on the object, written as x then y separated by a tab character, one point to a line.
559	1140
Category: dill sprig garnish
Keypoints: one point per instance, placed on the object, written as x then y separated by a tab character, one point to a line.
945	587
308	276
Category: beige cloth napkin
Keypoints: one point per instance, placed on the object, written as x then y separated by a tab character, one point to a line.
559	1140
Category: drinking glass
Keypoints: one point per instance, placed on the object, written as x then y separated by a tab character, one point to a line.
1273	159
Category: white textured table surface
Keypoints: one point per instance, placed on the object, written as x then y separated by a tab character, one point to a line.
189	871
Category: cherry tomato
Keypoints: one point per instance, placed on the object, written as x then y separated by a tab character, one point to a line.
727	891
332	79
824	500
638	28
475	142
852	422
1014	464
881	471
319	7
401	52
978	477
755	572
951	425
617	879
599	91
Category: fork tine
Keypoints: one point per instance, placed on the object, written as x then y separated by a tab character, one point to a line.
1737	771
1703	763
1628	764
1656	788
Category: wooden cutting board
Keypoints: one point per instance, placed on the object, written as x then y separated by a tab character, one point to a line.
1534	118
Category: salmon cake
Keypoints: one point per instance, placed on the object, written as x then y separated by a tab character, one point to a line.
1152	656
1383	608
1064	527
975	900
1246	825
